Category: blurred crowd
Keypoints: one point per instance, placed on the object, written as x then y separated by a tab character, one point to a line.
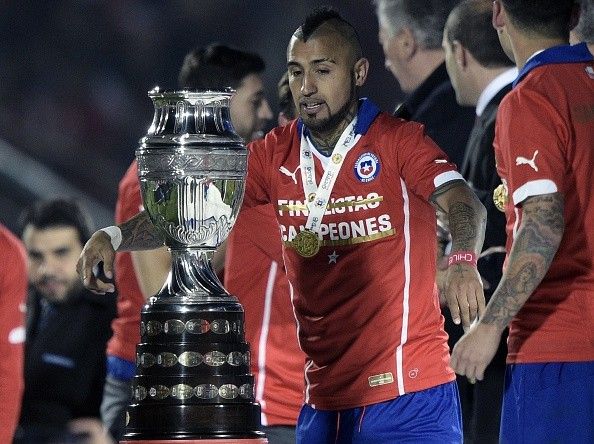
75	74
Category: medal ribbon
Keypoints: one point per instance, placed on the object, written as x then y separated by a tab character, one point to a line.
316	198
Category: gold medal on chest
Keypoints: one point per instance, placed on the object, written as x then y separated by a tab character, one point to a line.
500	197
306	243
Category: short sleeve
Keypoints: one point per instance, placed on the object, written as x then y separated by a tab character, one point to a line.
531	136
422	164
129	202
257	186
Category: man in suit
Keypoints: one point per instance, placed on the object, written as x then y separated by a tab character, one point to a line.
67	327
410	34
481	75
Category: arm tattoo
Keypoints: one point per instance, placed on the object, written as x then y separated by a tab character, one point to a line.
531	255
441	191
462	226
139	233
467	217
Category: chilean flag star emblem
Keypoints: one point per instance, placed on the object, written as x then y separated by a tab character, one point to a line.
367	167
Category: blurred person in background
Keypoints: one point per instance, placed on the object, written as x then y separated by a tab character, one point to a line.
543	148
67	326
410	32
141	274
481	75
286	105
584	30
13	291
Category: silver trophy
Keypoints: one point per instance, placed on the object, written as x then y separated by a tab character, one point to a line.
193	380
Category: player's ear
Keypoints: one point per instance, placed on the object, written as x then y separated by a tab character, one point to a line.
361	69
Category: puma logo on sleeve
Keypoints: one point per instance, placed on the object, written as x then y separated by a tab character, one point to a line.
520	160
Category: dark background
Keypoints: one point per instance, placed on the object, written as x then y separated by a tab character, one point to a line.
74	77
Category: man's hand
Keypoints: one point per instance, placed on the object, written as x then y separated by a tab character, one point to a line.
97	250
475	350
464	294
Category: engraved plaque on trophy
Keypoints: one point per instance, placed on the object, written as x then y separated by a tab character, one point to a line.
193	380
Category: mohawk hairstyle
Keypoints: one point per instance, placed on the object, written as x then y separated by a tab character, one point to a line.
316	18
324	14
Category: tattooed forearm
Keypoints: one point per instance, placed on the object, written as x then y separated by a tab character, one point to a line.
140	234
463	226
532	253
467	217
512	293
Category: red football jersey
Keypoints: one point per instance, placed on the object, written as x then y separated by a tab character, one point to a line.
254	272
367	316
13	290
544	144
126	326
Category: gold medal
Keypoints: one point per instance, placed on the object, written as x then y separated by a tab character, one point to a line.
500	197
306	243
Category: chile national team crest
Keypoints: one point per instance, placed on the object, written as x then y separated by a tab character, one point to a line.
367	167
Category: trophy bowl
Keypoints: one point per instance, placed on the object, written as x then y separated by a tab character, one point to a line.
192	168
193	380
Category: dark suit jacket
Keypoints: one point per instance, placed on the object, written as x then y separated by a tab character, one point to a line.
434	105
478	168
64	362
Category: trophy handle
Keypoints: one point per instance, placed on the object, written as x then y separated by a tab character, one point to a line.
192	279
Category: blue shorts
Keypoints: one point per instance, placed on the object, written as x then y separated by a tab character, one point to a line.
546	403
430	416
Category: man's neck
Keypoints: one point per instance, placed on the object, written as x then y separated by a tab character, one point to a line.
484	78
326	141
525	47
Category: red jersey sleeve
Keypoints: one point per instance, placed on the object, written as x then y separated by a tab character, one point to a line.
129	199
533	157
422	164
13	288
257	183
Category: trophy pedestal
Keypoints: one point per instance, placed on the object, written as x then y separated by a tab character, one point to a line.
193	381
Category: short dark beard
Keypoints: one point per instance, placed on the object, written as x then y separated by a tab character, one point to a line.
326	133
71	294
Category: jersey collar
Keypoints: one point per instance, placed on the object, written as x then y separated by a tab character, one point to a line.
557	54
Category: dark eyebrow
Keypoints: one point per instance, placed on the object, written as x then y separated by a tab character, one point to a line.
313	62
326	59
258	95
61	250
34	253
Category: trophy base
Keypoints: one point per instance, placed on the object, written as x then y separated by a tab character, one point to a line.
218	423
